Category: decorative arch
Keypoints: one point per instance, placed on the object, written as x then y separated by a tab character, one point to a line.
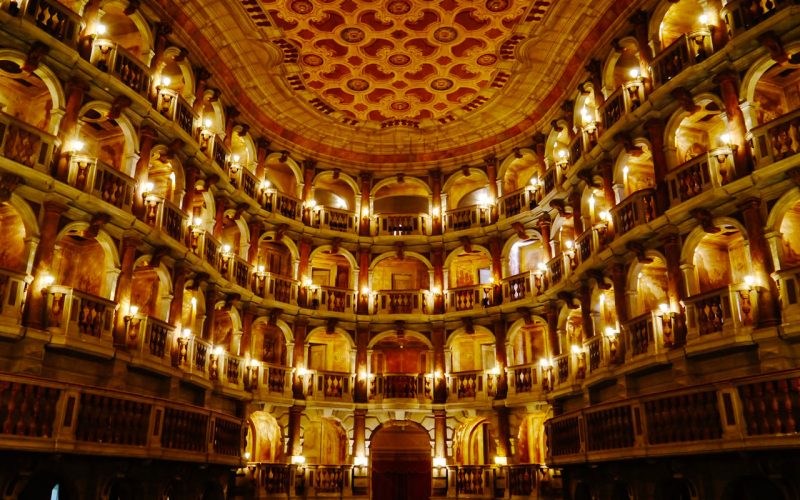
390	333
141	296
459	174
456	251
678	116
289	162
341	176
478	329
173	52
264	438
610	65
148	40
102	281
50	81
521	347
272	236
388	181
128	132
29	219
472	442
342	251
399	423
179	183
747	89
387	255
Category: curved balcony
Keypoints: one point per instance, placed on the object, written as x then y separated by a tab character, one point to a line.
111	58
720	318
776	140
459	219
700	175
79	319
25	144
637	209
94	177
401	225
688	50
468	298
741	15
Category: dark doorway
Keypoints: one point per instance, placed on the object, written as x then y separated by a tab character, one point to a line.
400	452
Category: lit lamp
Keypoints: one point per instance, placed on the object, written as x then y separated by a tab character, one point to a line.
666	323
47	280
612	336
225	257
487	299
501	461
165	96
251	371
533	189
298	460
745	298
196	229
260	280
233	169
580	357
183	346
304	378
132	322
205	135
569	251
147	191
538	276
364	298
439	462
75	146
266	194
635	74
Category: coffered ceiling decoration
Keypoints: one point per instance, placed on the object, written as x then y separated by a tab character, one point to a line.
386	60
398	84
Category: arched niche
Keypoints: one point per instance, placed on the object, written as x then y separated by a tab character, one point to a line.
175	74
264	438
531	442
634	171
647	285
334	270
86	262
165	172
15	253
406	195
526	342
521	256
623	65
465	268
689	135
671	20
405	352
151	288
324	441
712	261
277	256
334	189
193	309
473	442
390	272
26	96
270	343
226	329
235	234
130	32
467	187
113	142
518	170
284	173
471	351
329	350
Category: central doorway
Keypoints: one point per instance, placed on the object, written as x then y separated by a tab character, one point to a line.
400	452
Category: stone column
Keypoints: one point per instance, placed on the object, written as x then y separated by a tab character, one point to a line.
180	273
503	432
440	433
256	227
147	138
42	264
192	176
436	201
124	288
366	184
769	310
262	151
361	393
75	90
586	310
221	203
676	289
737	128
363	280
231	114
246	341
491	172
639	19
304	251
308	180
544	224
577	216
162	31
360	432
496	249
501	357
293	447
552	329
211	302
655	132
299	356
619	277
439	383
437	259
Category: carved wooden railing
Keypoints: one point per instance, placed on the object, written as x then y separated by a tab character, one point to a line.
174	107
25	144
242	178
555	270
282	204
515	203
149	335
725	309
111	58
637	209
472	479
275	287
73	313
401	302
336	299
334	219
524	378
522	479
327	479
625	99
777	139
273	479
467	217
472	384
687	50
103	181
13	286
51	17
518	287
235	269
330	385
741	15
401	224
276	378
467	298
699	175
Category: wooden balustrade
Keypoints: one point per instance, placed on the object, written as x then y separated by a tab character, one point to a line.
201	351
518	287
594	349
78	314
472	479
516	202
522	479
103	181
184	430
687	50
635	210
110	57
401	302
524	378
220	153
28	409
741	15
401	224
564	436
471	297
716	311
233	367
400	386
275	287
551	180
327	479
699	175
576	149
609	428
687	417
585	245
640	333
467	217
777	139
273	479
242	178
468	385
331	385
109	420
174	107
337	299
227	437
235	269
555	269
149	335
209	249
334	219
275	378
13	286
771	406
282	204
625	99
25	144
54	19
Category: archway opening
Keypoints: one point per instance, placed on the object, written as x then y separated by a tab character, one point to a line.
401	462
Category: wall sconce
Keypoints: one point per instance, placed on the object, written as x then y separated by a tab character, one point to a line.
436	212
251	371
547	373
234	164
183	346
75	146
439	462
750	282
666	323
304	377
360	461
100	29
562	160
132	312
298	460
703	19
214	362
47	280
722	154
205	135
635	74
246	456
225	258
538	276
612	335
147	190
569	251
580	357
501	461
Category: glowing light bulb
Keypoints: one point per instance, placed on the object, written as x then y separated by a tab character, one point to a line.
569	244
635	73
236	158
725	139
134	310
101	29
704	19
187	333
365	290
610	332
664	308
261	269
226	248
165	81
207	123
576	349
76	146
198	221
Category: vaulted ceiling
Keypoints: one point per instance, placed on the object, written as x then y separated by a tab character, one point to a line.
398	84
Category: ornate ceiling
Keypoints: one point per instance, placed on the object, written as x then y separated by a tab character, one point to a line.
398	84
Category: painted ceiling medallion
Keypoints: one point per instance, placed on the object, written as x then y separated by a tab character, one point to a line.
397	59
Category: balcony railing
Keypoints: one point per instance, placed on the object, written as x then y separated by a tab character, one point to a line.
789	288
334	219
282	204
150	336
401	302
235	269
724	311
556	269
741	15
516	202
175	108
53	18
522	286
13	286
103	181
333	299
473	480
276	379
637	209
471	385
699	175
242	178
467	298
400	386
75	314
686	51
109	57
647	334
777	139
524	378
625	99
467	217
275	287
25	144
401	224
329	385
